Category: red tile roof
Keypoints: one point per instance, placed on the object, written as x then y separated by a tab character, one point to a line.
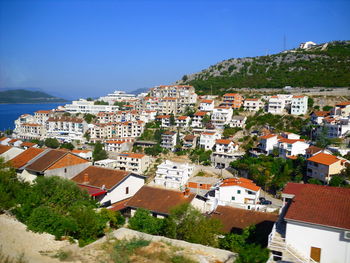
158	200
268	136
163	117
200	113
132	155
119	205
28	144
318	204
344	103
189	137
222	141
290	141
321	113
207	101
4	148
242	182
313	149
251	99
182	117
208	133
93	191
298	97
323	158
24	157
67	160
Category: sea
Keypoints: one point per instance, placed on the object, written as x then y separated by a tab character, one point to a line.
10	112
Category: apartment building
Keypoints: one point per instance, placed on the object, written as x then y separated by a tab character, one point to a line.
197	120
318	116
84	106
189	141
335	128
118	96
267	143
208	139
185	92
117	130
225	151
206	105
238	121
279	103
165	120
168	105
133	162
41	116
233	100
341	109
183	121
120	145
66	128
169	140
323	166
290	148
150	103
299	105
221	116
252	104
29	131
173	175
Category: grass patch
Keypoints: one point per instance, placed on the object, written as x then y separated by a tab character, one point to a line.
124	249
63	255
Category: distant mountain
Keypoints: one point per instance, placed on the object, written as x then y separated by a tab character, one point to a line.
138	91
27	96
325	65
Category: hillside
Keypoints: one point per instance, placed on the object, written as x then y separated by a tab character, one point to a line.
325	65
27	96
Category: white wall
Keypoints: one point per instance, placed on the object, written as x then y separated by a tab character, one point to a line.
69	171
333	248
118	193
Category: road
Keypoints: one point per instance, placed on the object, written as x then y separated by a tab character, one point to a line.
212	170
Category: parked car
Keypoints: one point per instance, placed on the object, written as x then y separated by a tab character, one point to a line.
266	202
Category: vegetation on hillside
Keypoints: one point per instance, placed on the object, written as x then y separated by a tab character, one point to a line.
27	96
300	68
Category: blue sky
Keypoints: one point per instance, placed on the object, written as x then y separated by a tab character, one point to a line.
89	48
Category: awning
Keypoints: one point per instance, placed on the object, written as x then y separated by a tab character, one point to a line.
93	191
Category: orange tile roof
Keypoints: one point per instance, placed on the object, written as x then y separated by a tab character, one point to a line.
290	141
344	103
207	101
28	144
115	142
182	117
231	95
298	97
80	151
251	99
132	155
200	113
268	136
24	157
4	148
43	111
208	133
68	160
163	117
222	141
242	182
323	158
321	113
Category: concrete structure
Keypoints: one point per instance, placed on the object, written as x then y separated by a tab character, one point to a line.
9	152
118	145
253	104
107	163
267	143
289	148
233	100
207	140
164	119
197	120
133	162
118	96
84	106
307	45
341	109
66	129
299	105
169	140
221	116
117	130
238	121
183	121
206	105
277	104
173	175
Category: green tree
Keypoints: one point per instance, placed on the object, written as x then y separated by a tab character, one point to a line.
99	153
52	143
89	117
327	108
314	181
337	180
67	145
310	102
172	120
206	119
100	102
143	221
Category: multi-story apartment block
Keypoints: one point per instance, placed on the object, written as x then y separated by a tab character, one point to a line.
318	116
41	116
183	121
206	105
164	119
173	175
233	100
168	105
197	121
289	148
169	140
121	116
117	96
29	131
267	143
225	146
116	130
323	166
190	141
277	104
84	106
299	105
341	109
150	103
121	145
66	128
253	104
208	139
335	128
221	116
225	151
133	162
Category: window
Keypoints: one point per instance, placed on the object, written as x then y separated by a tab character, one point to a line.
127	190
238	191
233	198
65	170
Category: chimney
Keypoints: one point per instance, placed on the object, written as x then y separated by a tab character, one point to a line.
187	192
86	179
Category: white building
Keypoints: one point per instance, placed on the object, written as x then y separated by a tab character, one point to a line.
169	140
84	106
117	130
66	128
307	45
238	121
133	162
299	105
291	147
336	128
121	145
117	96
267	143
225	146
253	104
172	174
207	140
221	116
197	121
107	163
164	119
311	230
341	109
277	104
183	121
237	192
206	105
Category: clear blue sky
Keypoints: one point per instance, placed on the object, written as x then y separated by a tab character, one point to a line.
89	48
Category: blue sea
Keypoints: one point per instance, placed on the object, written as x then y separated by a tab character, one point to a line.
10	112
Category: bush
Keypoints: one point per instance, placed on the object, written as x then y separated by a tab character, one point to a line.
52	143
143	221
99	153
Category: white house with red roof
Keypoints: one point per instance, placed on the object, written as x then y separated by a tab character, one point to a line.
206	105
314	225
164	119
341	109
252	104
183	121
299	105
238	192
207	140
86	154
225	146
317	117
197	120
118	145
278	103
267	143
221	116
323	166
291	148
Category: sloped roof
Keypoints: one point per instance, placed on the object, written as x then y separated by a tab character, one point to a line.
223	141
313	149
240	181
200	113
132	155
321	113
318	204
93	191
344	103
24	157
99	176
158	200
323	158
45	161
268	136
4	148
237	218
28	144
68	160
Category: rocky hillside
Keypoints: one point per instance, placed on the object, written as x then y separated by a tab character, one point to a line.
325	65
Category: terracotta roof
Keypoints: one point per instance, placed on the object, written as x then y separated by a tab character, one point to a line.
31	124
268	136
207	101
313	149
24	157
81	151
115	142
236	218
65	119
222	141
318	204
13	140
298	97
162	116
43	111
290	141
4	148
189	137
251	99
344	103
132	155
99	176
68	160
242	182
28	144
323	158
158	200
321	113
45	161
182	117
200	113
169	133
231	95
119	205
3	138
93	191
208	133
